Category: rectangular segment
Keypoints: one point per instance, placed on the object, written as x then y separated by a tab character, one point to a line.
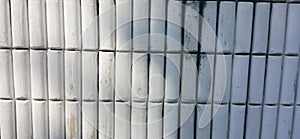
122	120
293	29
268	125
89	78
56	119
55	62
156	77
106	75
252	130
285	122
220	122
261	27
6	74
189	78
123	24
19	23
154	120
5	24
296	128
237	120
106	120
170	123
172	77
107	27
39	82
72	24
37	23
8	119
206	77
139	77
40	119
21	65
73	119
138	120
89	120
187	120
203	121
23	119
55	24
123	76
73	75
190	40
158	25
141	24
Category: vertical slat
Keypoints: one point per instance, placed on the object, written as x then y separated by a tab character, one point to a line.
89	28
19	23
6	74
219	123
24	119
37	23
107	24
73	119
187	121
285	119
190	41
226	26
203	129
56	119
21	65
293	30
55	24
296	123
123	81
7	119
40	119
123	24
138	120
158	24
106	121
268	127
155	120
189	78
106	75
236	124
39	84
172	77
243	27
89	120
170	123
122	120
253	122
139	77
5	24
277	27
261	27
156	77
141	24
72	75
72	24
205	79
55	61
89	78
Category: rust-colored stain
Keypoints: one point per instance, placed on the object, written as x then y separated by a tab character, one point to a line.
72	125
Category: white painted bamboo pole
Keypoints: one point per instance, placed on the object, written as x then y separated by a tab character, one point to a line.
107	14
298	90
218	87
174	15
72	75
123	81
55	62
141	24
155	120
226	25
19	23
21	65
236	122
277	27
8	119
240	79
37	23
205	79
39	84
256	83
40	119
171	119
89	78
139	77
56	119
220	122
5	24
289	78
6	74
123	24
156	77
24	119
106	75
191	42
89	28
261	27
296	121
209	14
285	119
172	77
268	126
55	24
122	120
273	77
253	121
73	119
243	27
292	29
187	120
203	132
158	24
72	24
138	120
189	78
106	120
89	120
